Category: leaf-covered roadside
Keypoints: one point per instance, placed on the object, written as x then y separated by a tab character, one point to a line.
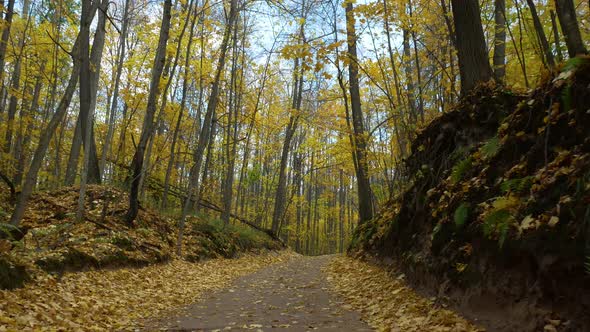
50	240
388	303
498	202
120	299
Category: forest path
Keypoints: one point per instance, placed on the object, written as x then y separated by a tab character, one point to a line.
290	296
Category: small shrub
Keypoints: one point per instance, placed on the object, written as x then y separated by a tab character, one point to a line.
519	186
8	231
461	215
491	147
497	220
460	169
573	63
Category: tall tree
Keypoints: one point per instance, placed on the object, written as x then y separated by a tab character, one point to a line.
47	133
206	128
500	40
566	12
4	44
540	32
121	50
474	66
148	120
281	193
365	195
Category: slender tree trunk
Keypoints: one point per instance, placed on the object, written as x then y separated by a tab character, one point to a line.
45	137
341	202
280	196
26	141
360	140
308	229
204	135
115	96
410	88
556	40
4	45
185	87
500	40
85	100
566	12
540	32
15	85
148	121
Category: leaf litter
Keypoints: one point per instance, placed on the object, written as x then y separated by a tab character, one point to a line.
120	299
386	302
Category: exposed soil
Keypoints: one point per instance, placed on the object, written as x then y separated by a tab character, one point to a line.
495	217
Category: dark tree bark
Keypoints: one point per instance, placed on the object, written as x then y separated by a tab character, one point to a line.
4	44
360	140
474	66
185	87
148	120
540	32
566	12
204	135
281	193
556	39
500	40
115	97
47	133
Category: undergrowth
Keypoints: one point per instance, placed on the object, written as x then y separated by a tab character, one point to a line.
460	169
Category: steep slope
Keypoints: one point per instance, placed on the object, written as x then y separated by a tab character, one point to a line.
50	240
496	216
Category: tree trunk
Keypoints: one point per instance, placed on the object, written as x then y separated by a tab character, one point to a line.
556	40
85	99
26	140
281	192
235	92
4	44
474	66
185	87
410	88
566	12
543	43
204	135
45	137
360	139
115	97
500	40
14	87
148	121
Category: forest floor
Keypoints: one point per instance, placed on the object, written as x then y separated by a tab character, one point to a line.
121	299
272	291
325	293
